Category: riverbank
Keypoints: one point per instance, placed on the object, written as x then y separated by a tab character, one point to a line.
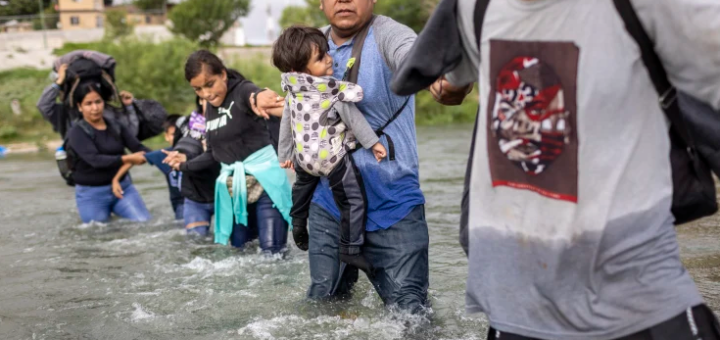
153	70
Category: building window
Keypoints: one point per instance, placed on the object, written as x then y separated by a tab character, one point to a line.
74	21
99	21
148	19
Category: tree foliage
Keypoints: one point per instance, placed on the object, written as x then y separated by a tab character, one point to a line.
146	5
309	15
206	21
22	7
413	13
116	24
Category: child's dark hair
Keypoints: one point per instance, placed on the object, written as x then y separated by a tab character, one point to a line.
85	88
294	47
171	121
195	62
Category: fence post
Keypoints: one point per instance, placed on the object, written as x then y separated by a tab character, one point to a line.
42	20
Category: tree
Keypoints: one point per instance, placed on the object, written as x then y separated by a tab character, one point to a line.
309	15
22	7
206	21
116	24
146	5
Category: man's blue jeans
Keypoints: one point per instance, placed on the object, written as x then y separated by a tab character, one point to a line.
399	254
96	203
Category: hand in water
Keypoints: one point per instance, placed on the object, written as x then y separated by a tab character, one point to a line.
379	151
268	103
117	189
174	159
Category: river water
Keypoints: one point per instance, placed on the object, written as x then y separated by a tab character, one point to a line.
60	279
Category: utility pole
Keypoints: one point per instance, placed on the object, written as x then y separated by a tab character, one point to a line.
42	20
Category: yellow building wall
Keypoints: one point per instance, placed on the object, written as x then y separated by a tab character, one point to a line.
74	5
87	20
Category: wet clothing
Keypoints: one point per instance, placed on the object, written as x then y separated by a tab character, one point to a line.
172	178
320	126
233	133
266	224
570	230
395	188
195	213
198	186
349	193
100	158
396	241
399	254
232	207
96	203
695	323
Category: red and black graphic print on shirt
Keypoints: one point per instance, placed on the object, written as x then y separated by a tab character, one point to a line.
532	117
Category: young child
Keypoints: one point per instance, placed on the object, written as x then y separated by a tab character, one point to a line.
155	158
320	128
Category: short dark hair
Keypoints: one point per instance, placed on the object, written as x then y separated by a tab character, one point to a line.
85	88
293	49
171	121
195	62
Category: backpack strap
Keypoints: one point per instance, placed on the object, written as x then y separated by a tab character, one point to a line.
658	75
85	126
478	19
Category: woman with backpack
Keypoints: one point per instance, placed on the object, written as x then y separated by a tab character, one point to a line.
252	193
62	115
96	151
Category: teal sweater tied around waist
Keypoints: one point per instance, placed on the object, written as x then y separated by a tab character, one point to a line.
264	165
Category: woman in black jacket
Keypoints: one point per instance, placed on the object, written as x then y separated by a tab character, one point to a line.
237	137
99	145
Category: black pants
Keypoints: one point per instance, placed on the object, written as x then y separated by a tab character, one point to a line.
349	194
700	324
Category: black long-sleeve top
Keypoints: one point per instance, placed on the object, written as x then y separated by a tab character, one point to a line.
234	132
100	158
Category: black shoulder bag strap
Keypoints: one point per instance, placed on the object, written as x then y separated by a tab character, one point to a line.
694	189
351	75
658	75
479	17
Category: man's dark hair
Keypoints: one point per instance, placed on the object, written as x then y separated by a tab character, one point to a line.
293	49
170	121
195	62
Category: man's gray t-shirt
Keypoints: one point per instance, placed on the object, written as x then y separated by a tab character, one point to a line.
571	235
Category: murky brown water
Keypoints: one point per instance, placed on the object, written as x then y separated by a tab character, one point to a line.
62	280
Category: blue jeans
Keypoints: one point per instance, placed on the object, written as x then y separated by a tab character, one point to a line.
197	217
399	254
97	203
264	222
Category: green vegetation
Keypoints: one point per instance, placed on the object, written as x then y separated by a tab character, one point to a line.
206	21
413	13
146	5
156	71
116	24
